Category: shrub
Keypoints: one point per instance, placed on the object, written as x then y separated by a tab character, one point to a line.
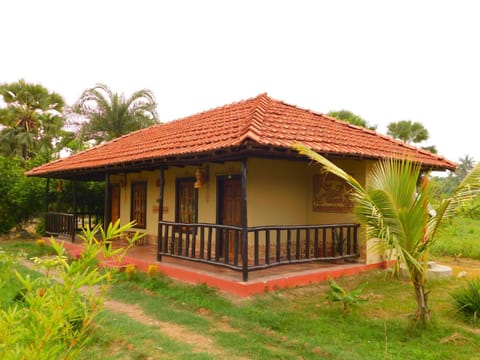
467	299
52	319
22	197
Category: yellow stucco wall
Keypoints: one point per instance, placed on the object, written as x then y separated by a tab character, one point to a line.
279	192
276	192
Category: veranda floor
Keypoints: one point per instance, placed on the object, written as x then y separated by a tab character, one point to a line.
230	280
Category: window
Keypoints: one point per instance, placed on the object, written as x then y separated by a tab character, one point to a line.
187	201
139	204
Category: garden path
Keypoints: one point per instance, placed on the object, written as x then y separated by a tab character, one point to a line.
200	343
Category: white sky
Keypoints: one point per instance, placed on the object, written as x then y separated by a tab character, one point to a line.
384	60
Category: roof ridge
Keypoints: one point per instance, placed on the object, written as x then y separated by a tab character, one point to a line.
253	125
226	106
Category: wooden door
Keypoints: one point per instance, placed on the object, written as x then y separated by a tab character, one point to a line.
115	202
231	213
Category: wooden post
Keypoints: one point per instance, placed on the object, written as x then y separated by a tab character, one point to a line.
106	208
160	240
46	217
244	222
74	205
46	195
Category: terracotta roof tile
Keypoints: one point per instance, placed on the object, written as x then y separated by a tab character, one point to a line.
262	119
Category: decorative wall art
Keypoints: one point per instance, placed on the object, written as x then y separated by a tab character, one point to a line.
331	194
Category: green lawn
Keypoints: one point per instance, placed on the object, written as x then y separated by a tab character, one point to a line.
162	319
459	238
298	323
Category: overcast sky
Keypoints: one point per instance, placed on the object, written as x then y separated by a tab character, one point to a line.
384	60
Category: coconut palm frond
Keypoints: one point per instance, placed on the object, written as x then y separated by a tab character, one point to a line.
376	207
394	210
328	166
392	187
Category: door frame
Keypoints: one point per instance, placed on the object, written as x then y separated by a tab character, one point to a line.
177	203
219	251
112	187
220	191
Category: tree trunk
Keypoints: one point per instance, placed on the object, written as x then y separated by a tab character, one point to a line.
24	152
423	313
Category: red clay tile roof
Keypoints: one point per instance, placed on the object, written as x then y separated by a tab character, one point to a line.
263	120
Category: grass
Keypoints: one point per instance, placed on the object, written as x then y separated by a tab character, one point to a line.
120	337
10	286
460	237
301	323
196	322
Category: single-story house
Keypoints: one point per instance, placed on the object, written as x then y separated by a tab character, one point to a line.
225	187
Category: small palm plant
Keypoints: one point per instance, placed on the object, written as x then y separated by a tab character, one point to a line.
398	213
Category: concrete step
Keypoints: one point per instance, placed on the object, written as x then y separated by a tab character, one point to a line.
434	271
437	271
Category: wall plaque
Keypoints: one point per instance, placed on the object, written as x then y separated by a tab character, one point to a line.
331	194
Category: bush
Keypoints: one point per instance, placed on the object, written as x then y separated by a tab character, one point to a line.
467	299
22	197
49	319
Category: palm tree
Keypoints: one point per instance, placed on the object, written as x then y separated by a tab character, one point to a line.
111	115
32	119
398	213
465	164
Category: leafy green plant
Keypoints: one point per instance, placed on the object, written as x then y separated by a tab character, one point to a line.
348	298
22	197
55	314
397	211
467	299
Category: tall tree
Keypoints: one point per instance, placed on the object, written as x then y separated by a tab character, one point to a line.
465	164
352	118
407	131
32	119
111	115
397	212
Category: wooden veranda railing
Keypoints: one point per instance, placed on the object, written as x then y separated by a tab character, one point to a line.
61	223
267	246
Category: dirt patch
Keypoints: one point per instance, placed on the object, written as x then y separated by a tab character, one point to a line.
470	266
222	324
199	343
